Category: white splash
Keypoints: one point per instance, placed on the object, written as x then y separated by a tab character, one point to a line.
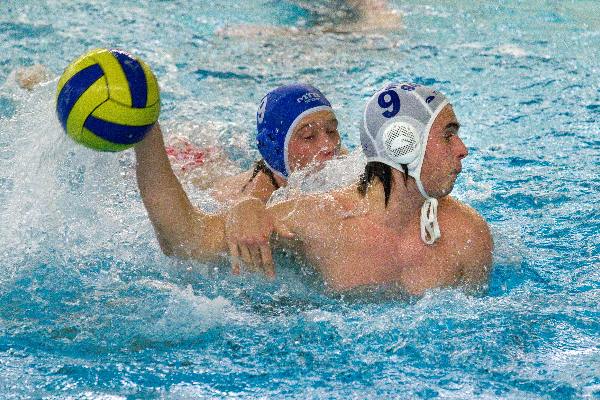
511	50
335	174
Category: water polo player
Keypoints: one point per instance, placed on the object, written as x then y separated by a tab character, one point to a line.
296	128
398	225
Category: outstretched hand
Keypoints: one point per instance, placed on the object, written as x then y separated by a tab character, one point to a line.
248	229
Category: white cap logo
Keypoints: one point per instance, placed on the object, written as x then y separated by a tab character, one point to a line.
401	142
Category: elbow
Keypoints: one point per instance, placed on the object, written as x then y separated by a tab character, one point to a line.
163	243
166	249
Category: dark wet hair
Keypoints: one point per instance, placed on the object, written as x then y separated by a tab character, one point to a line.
261	166
381	171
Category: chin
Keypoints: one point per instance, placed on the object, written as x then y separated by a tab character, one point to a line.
444	191
449	190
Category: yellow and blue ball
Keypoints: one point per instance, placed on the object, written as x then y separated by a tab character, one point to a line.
107	100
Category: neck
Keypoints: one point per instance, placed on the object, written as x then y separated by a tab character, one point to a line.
404	204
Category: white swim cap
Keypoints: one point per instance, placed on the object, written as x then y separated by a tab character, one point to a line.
395	129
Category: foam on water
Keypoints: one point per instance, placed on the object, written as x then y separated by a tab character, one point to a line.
511	50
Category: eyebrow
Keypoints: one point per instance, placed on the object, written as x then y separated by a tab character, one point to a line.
454	125
309	123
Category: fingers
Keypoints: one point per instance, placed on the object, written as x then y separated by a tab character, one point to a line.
246	256
241	253
235	258
255	258
267	260
282	230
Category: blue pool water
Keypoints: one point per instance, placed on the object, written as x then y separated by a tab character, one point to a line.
90	308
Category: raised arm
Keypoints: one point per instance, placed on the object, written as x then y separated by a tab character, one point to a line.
182	230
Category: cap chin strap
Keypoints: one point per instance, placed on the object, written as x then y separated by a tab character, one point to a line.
430	229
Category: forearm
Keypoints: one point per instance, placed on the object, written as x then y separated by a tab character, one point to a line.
182	230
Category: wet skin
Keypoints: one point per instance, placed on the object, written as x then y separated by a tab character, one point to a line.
315	140
444	154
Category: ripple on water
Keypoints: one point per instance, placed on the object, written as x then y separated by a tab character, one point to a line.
19	31
7	108
204	74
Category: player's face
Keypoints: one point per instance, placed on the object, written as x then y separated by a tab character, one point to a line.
444	154
314	140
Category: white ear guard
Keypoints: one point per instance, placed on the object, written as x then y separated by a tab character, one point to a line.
402	139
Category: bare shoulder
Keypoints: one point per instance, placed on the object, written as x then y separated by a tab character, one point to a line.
472	229
467	217
316	204
232	188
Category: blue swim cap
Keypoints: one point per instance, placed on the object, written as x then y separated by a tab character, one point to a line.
277	116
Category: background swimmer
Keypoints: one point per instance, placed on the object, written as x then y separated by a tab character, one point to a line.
351	15
338	16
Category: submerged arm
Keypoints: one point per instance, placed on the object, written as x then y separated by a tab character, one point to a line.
182	230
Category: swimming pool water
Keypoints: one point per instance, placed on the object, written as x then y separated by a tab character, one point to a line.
90	308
